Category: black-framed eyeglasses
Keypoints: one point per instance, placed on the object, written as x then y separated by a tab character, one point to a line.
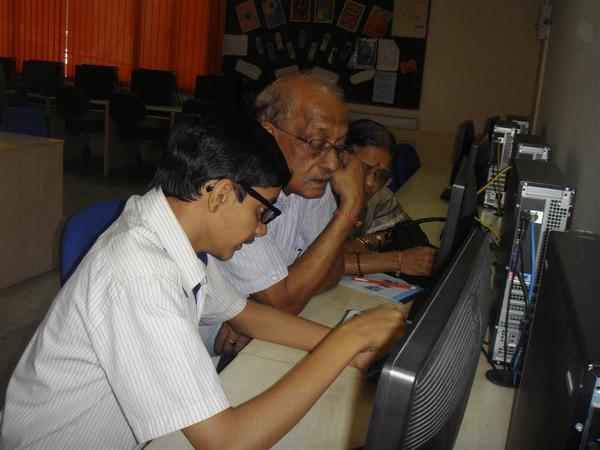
271	211
319	147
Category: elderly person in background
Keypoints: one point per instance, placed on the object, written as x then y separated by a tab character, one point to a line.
375	145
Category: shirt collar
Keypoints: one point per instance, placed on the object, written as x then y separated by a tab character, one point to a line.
160	216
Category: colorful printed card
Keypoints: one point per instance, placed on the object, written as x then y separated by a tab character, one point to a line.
351	15
377	23
324	11
300	11
247	16
274	13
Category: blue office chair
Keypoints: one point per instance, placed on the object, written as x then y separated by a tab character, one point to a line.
25	120
406	163
81	231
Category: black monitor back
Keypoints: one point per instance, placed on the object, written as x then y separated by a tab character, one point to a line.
156	87
9	66
43	77
461	210
98	82
465	135
425	383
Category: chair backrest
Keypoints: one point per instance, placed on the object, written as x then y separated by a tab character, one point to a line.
127	109
8	65
25	120
406	163
99	82
81	231
72	101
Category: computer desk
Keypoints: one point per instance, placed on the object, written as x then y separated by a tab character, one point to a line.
102	105
339	419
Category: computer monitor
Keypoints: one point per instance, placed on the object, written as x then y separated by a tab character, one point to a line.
465	136
425	383
98	82
461	210
156	87
43	77
9	66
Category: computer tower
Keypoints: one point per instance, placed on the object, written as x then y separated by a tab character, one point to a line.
529	146
522	121
501	146
539	200
557	406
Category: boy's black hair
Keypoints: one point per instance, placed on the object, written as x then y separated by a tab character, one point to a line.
364	132
221	142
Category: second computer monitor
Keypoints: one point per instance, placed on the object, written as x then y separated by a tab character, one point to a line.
156	87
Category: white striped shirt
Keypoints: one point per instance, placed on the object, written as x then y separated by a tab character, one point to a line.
118	360
265	262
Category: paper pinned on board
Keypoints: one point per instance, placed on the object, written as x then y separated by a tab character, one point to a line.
388	55
235	44
250	70
325	75
362	76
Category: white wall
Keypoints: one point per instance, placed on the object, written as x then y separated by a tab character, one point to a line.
570	104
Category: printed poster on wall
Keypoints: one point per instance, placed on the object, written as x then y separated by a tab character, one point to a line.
384	87
247	16
410	18
274	13
300	11
377	23
350	16
324	11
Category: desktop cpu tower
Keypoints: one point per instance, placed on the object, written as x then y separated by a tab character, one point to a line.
529	146
521	121
557	406
501	147
538	200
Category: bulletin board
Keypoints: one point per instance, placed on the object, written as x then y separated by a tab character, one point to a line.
374	50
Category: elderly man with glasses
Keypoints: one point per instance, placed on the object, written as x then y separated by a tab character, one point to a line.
302	255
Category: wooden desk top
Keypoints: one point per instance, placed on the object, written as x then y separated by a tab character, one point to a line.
14	140
339	419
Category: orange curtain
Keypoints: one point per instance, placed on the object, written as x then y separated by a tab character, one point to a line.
33	29
6	30
101	32
184	36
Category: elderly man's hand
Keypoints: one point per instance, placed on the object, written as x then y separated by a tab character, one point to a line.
348	182
228	341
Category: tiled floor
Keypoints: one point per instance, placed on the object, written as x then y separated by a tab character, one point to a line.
23	306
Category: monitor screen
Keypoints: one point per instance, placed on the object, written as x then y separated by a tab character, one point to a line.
424	386
156	87
43	77
98	82
461	210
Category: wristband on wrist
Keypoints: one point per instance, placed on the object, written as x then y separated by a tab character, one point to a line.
347	215
399	266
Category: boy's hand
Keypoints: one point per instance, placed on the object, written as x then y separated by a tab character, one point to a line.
379	331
